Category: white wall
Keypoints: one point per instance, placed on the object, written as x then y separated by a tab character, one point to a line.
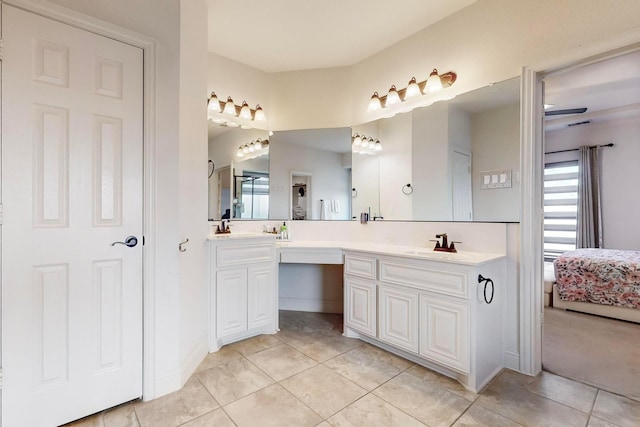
193	333
619	174
495	138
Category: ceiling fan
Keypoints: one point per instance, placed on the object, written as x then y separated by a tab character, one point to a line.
565	111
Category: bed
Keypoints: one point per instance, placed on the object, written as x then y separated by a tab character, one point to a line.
605	282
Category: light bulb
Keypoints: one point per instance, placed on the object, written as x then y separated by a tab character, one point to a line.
412	89
378	145
434	83
245	149
374	102
392	96
371	144
357	141
252	147
258	144
245	111
229	107
213	105
240	153
259	114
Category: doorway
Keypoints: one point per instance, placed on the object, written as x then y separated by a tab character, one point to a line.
591	105
73	221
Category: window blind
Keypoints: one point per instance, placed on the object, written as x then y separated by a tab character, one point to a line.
560	208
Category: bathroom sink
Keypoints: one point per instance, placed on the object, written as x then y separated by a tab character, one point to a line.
439	255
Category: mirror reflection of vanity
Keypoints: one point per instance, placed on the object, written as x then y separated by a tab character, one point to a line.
450	154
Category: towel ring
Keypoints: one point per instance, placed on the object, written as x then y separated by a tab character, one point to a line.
407	189
354	193
212	167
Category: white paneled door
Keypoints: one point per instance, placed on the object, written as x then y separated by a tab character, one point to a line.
71	186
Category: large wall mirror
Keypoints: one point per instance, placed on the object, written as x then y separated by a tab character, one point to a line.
288	175
456	160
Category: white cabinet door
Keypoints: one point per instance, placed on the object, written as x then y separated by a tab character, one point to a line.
231	300
360	305
444	332
398	311
261	282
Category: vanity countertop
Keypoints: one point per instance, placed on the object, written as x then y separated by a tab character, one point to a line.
461	257
241	235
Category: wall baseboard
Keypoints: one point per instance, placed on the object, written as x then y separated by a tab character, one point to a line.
312	305
512	360
193	359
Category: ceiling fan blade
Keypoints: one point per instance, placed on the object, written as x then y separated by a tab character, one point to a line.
567	111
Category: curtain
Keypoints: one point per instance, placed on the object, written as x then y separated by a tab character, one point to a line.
589	209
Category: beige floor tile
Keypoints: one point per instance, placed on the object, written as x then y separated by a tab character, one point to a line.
371	411
443	381
272	406
219	357
386	357
323	390
423	400
597	422
176	408
321	347
363	368
324	424
571	393
617	409
91	421
477	416
281	361
518	404
216	418
121	416
233	380
255	344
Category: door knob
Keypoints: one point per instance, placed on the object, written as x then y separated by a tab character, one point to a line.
130	241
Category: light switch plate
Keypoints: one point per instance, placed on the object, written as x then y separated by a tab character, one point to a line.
495	179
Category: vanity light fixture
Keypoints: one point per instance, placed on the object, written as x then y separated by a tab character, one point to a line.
253	149
229	107
228	114
245	111
213	105
259	114
392	96
434	83
374	102
362	145
412	89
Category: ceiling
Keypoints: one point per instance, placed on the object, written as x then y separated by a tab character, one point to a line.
289	35
609	89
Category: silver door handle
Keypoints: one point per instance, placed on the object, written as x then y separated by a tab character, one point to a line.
130	241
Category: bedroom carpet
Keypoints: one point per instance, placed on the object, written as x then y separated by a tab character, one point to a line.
594	350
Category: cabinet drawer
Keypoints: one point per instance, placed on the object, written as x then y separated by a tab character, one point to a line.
361	266
244	254
452	283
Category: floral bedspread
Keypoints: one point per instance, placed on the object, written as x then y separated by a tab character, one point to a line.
601	276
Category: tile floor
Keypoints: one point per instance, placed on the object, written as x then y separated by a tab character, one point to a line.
310	375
